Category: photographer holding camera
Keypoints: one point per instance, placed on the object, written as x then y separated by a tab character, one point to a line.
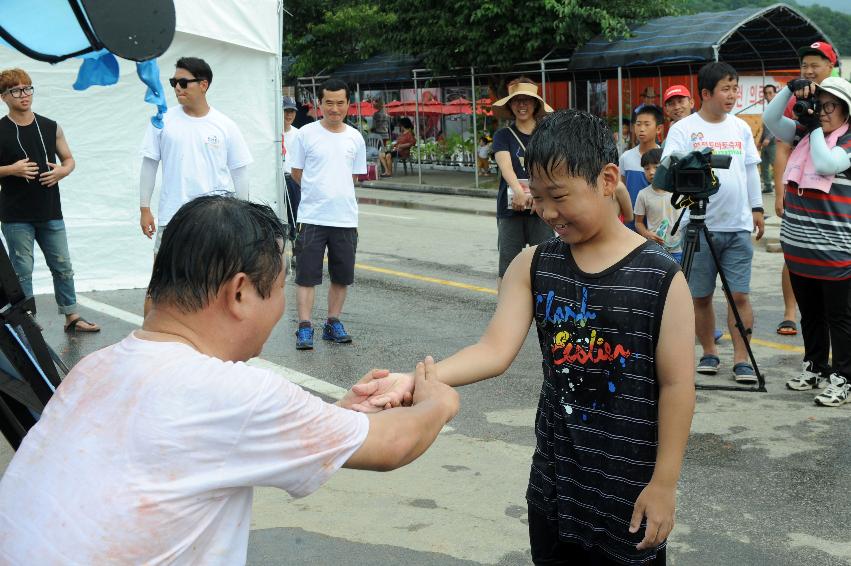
732	213
816	231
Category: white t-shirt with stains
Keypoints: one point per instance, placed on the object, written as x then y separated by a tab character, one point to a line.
148	452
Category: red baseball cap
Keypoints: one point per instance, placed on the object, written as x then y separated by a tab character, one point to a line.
820	48
675	90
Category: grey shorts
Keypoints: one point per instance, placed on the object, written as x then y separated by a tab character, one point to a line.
735	255
309	251
516	232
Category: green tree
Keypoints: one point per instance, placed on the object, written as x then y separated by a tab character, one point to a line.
505	32
322	35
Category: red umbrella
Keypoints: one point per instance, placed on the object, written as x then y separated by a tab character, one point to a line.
483	106
392	108
366	108
458	106
430	108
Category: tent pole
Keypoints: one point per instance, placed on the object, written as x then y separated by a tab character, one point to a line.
475	136
280	181
315	99
544	80
417	111
360	119
620	110
588	96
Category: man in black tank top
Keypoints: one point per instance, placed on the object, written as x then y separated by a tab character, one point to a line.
616	328
30	207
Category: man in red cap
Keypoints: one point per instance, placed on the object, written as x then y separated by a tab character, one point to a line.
678	103
817	62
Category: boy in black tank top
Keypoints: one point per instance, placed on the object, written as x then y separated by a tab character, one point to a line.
616	327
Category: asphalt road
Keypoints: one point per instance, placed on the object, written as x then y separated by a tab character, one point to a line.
765	475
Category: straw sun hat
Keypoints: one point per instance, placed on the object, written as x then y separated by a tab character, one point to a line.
501	107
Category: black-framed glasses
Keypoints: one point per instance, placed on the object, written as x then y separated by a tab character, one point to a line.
828	107
182	82
20	92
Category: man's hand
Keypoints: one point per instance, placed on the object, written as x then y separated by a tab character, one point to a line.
24	168
427	387
384	392
54	175
656	503
146	221
357	401
759	224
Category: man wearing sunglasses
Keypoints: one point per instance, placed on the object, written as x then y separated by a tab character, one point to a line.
30	207
202	150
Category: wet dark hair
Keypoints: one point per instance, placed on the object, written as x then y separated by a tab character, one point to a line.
209	241
578	140
712	73
333	85
652	110
652	157
405	122
198	67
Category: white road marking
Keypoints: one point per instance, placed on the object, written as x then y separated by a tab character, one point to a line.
387	215
110	310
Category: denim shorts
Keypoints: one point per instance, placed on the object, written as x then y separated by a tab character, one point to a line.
735	255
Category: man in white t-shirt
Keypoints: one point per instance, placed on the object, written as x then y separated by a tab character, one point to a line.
149	450
201	149
732	213
325	159
293	190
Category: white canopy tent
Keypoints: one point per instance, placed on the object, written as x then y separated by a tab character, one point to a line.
105	125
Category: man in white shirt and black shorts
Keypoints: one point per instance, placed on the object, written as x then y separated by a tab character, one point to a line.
201	149
325	159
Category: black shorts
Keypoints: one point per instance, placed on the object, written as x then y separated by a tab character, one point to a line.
309	251
549	549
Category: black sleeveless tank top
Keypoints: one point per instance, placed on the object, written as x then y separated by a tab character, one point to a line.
597	418
20	200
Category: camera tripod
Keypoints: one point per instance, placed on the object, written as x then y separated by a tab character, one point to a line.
691	244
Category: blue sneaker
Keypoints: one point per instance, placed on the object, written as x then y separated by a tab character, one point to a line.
708	364
335	331
304	338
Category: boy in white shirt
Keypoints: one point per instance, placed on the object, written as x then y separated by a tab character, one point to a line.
149	450
201	149
655	216
731	215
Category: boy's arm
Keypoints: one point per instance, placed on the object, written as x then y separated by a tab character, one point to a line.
674	370
489	357
57	172
505	334
641	228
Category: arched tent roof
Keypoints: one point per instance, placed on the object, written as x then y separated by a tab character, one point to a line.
748	38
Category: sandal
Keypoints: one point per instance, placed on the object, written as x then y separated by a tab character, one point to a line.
787	328
74	326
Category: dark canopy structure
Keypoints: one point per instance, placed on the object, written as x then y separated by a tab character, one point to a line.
379	70
747	38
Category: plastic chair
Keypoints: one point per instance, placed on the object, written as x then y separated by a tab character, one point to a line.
374	146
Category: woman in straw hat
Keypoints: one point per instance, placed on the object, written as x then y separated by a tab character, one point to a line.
816	230
517	225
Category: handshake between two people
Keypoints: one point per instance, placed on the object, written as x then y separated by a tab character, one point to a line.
381	389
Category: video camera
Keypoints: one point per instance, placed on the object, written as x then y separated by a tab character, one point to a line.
691	174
